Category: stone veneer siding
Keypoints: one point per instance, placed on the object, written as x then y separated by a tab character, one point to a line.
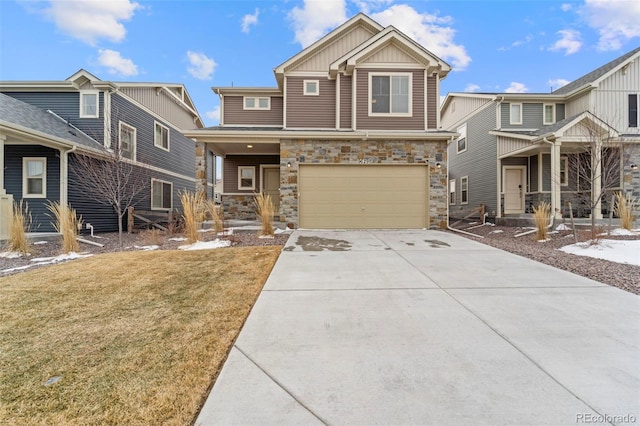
238	206
369	152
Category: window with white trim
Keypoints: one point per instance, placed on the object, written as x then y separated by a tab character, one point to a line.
464	190
634	114
549	114
311	87
161	136
89	104
34	177
390	94
247	177
161	195
252	102
452	191
127	141
461	145
564	171
515	114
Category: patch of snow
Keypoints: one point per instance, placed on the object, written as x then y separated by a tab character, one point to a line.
562	227
38	243
11	254
283	231
544	241
620	251
497	231
17	268
60	258
472	223
265	237
621	232
206	230
147	248
206	245
178	239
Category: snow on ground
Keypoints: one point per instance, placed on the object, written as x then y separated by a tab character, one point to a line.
147	248
178	239
206	245
620	251
11	254
562	227
623	232
39	261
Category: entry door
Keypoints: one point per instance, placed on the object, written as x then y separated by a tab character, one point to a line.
514	188
271	186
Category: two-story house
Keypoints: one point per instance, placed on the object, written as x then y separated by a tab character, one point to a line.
348	138
515	150
45	125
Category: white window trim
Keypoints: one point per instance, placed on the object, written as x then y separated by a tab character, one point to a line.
122	124
253	181
308	93
89	92
466	180
391	114
463	135
25	185
452	190
155	142
544	114
153	180
256	102
511	118
564	160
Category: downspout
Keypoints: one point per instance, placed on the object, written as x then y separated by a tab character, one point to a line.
64	175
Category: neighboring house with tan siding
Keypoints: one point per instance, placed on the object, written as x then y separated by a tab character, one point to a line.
516	150
348	138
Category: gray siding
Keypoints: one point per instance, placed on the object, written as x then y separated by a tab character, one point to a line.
546	172
433	100
531	116
234	114
346	87
314	112
533	173
364	122
230	170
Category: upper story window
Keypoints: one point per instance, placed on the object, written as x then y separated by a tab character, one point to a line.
257	102
549	114
390	94
161	136
462	139
633	110
515	114
34	177
89	104
311	87
127	141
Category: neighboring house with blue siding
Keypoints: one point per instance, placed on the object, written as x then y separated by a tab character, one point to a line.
44	125
515	150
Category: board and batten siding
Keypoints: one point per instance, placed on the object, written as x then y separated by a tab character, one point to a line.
230	171
162	103
346	100
611	98
578	105
234	114
365	122
311	111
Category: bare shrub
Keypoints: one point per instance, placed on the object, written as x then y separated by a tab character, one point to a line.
624	206
67	223
214	212
20	224
152	237
265	213
541	219
192	213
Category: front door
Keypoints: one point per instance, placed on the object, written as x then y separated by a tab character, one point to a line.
271	186
514	190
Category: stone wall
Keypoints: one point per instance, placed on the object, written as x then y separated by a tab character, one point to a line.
241	207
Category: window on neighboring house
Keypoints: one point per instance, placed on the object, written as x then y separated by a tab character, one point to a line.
161	136
34	177
452	191
464	190
311	87
127	141
462	139
549	114
161	195
257	103
564	171
390	94
89	104
515	114
246	177
633	110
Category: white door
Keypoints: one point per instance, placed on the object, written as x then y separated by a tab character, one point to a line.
514	189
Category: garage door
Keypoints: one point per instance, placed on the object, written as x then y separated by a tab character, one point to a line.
363	196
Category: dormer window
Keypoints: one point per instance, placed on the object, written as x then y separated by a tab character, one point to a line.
89	104
390	94
311	87
549	112
257	102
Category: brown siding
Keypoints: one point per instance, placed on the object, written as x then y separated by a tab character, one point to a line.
346	84
235	115
312	112
433	99
364	122
230	170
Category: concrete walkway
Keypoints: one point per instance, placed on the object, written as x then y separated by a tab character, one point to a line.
429	328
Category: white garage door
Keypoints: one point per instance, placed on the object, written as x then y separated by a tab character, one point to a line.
363	196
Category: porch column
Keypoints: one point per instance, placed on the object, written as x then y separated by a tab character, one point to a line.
201	167
596	167
6	200
3	138
556	188
64	176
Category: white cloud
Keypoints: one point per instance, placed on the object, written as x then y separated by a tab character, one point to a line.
201	67
516	87
116	64
431	31
90	21
558	83
617	21
214	114
526	40
248	20
472	88
569	42
566	7
316	18
367	6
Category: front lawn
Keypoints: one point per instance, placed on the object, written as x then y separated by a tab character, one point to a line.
123	338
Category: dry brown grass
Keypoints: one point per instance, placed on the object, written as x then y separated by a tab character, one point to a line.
624	206
215	214
541	219
192	214
67	223
265	213
137	338
20	224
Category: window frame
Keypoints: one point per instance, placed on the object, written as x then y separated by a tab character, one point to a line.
163	182
134	137
409	112
84	93
25	178
511	118
256	103
155	141
633	119
305	90
544	114
464	192
564	180
463	137
253	178
453	197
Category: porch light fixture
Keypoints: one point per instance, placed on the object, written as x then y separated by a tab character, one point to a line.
249	146
289	164
634	167
438	165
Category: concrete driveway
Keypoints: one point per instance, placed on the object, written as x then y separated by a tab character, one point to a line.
429	328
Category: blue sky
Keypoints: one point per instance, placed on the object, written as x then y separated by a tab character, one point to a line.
493	46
